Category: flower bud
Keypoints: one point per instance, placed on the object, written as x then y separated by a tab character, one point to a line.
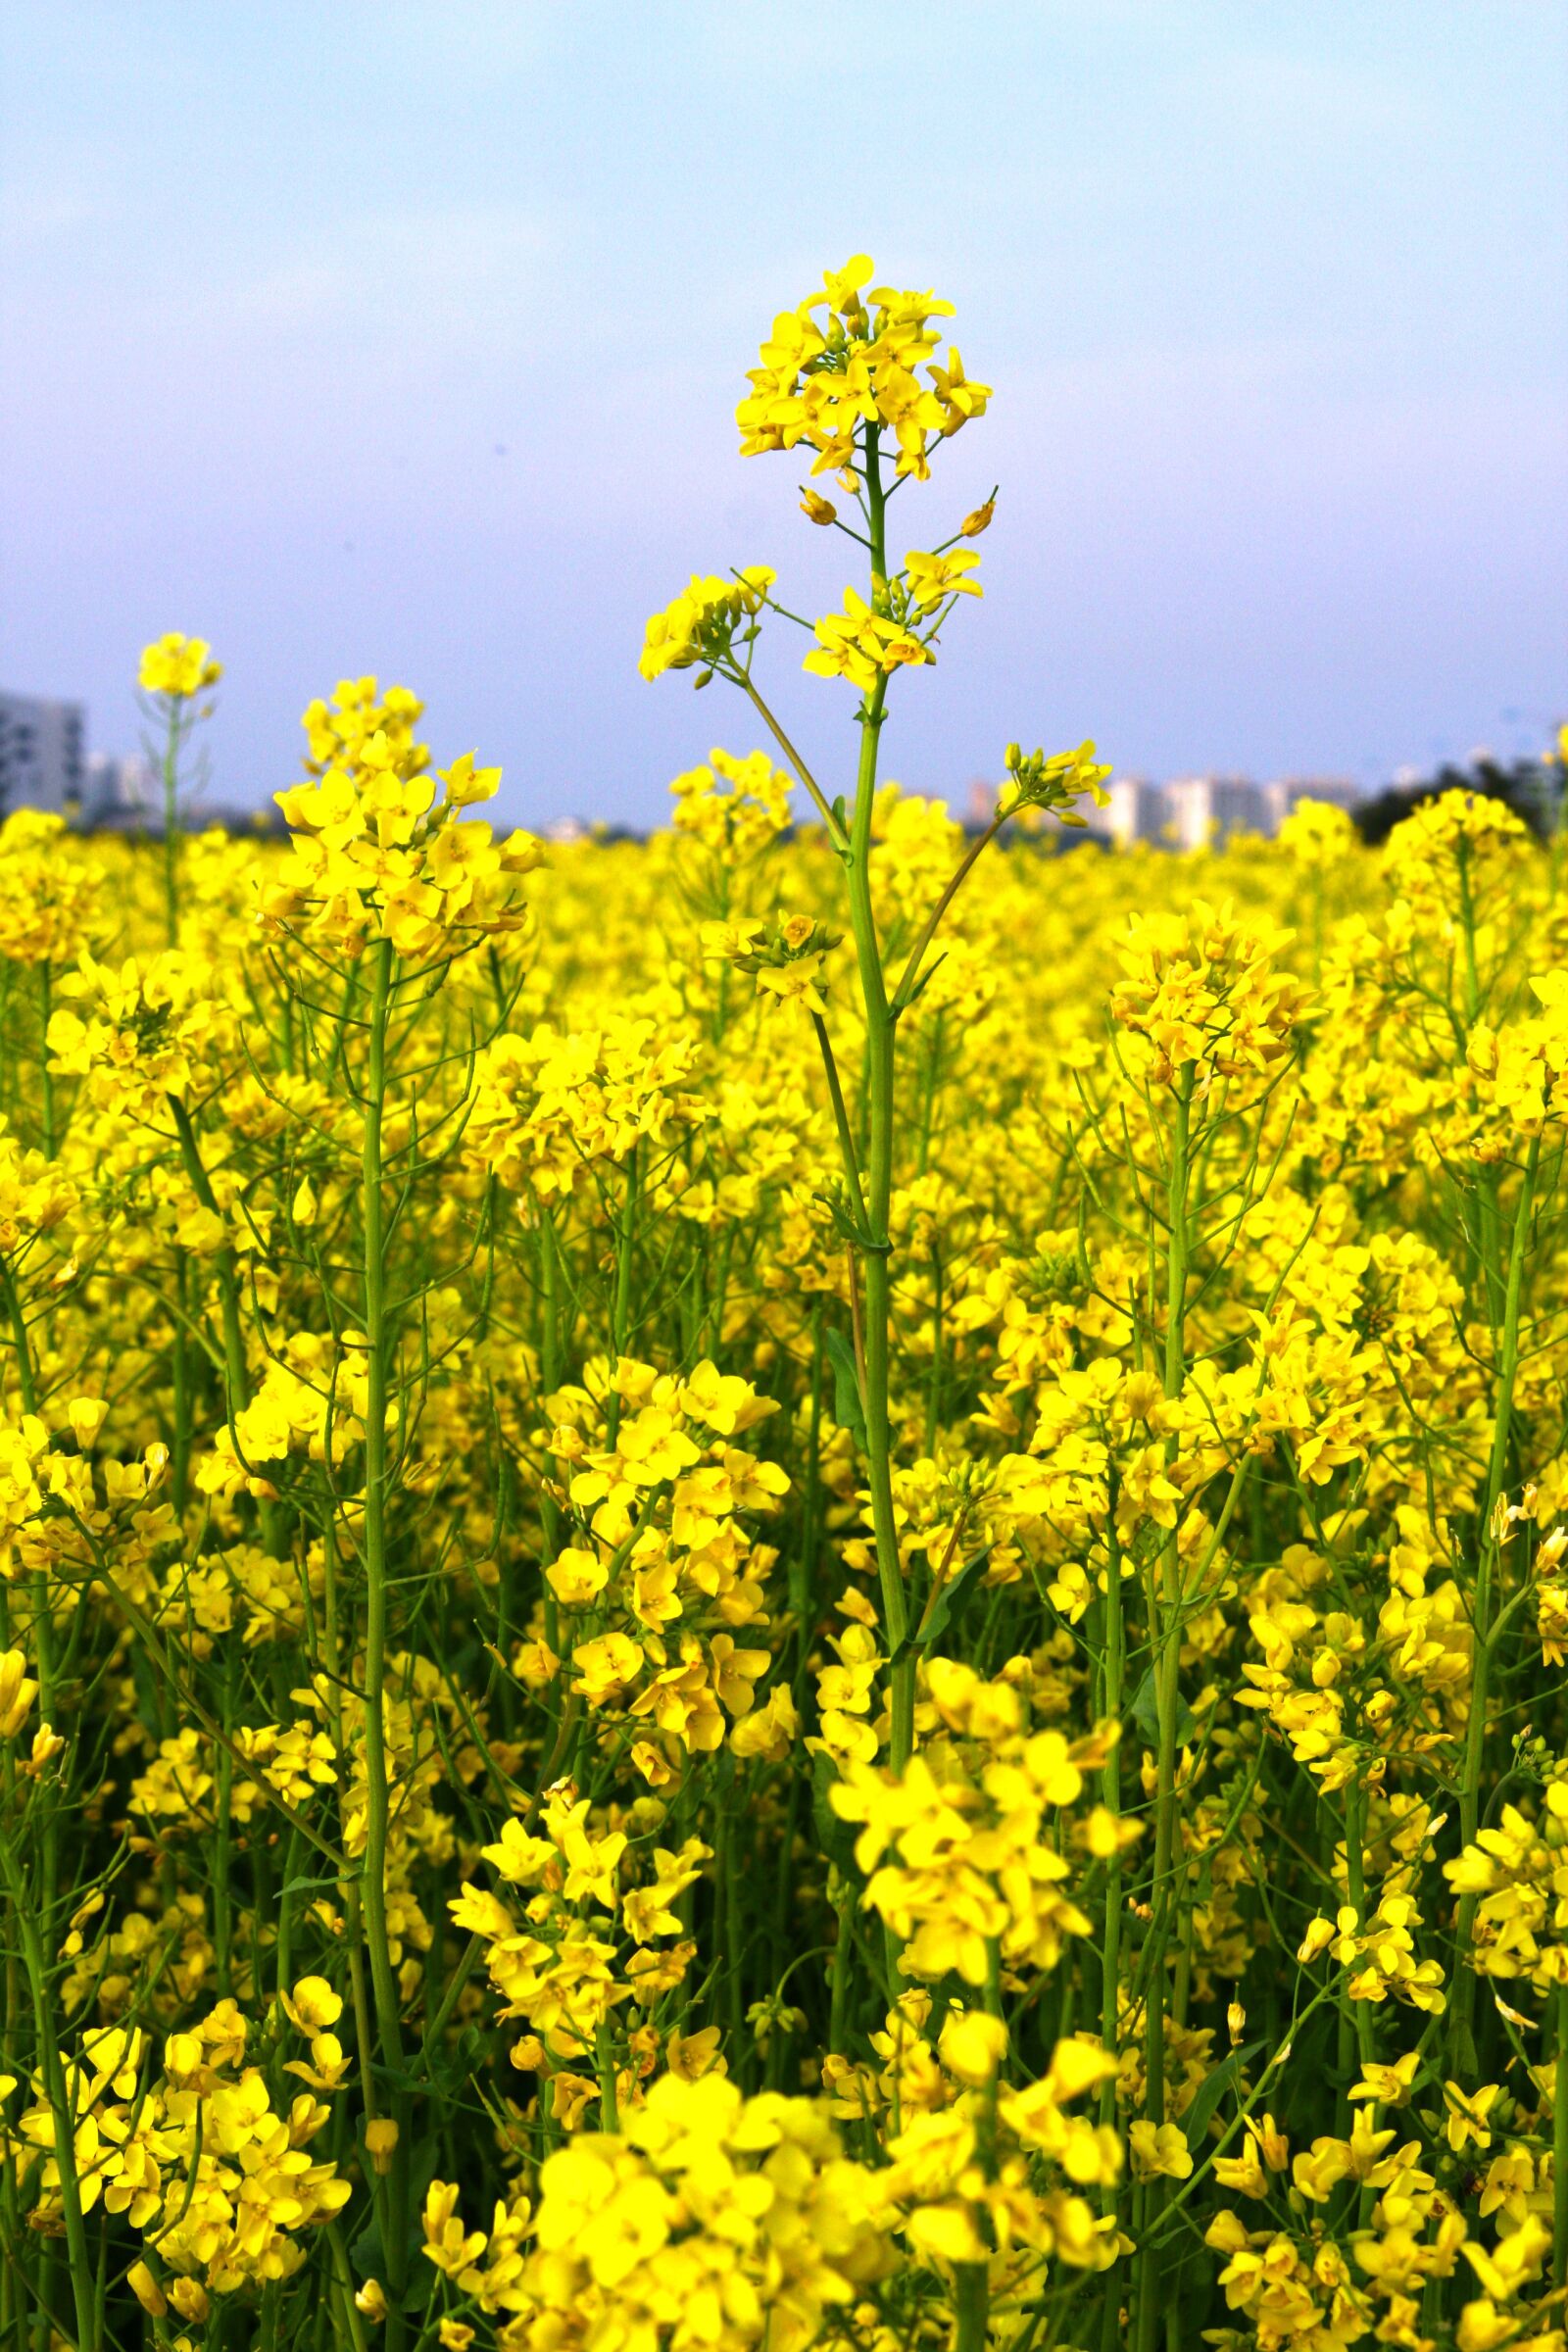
86	1416
46	1745
1319	1936
381	2138
18	1691
980	520
147	2291
817	509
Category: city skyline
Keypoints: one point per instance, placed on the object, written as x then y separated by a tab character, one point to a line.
1272	299
46	763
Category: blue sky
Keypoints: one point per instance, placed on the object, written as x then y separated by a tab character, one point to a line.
407	338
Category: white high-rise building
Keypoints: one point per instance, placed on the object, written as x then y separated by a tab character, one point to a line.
42	754
1135	812
1203	811
1194	812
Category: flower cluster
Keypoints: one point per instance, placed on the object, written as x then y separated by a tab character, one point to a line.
376	854
819	381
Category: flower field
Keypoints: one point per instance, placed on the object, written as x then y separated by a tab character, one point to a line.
799	1585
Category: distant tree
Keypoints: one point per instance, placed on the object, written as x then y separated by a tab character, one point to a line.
1531	789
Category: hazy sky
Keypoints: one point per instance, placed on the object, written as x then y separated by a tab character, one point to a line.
407	338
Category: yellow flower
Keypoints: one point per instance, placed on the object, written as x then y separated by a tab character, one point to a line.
932	578
1467	2113
860	645
576	1577
1158	2150
698	624
312	2005
178	665
1389	2085
445	2243
972	2045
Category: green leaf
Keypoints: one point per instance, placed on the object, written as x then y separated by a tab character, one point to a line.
847	1410
365	2252
926	977
1195	2122
953	1596
835	1837
1145	1712
306	1886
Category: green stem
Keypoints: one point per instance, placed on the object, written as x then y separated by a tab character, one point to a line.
843	1900
384	1980
1462	2044
1559	2143
78	2259
1110	1797
835	831
972	2280
621	1306
43	1621
972	2305
605	2065
1166	1644
235	1371
171	826
46	1080
880	1029
841	1120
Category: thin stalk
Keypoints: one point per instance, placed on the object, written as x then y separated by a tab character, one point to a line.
234	1370
905	994
1559	2143
43	1620
383	1979
880	1030
46	1082
834	830
79	2260
972	2280
171	826
1461	2043
1114	1665
1166	1641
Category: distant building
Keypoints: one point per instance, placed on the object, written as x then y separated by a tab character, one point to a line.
119	785
1202	813
1134	811
1282	794
42	754
1195	813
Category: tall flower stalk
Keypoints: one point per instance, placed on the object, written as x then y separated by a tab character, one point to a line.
176	673
847	388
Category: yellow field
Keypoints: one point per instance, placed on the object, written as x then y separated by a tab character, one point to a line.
744	1605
